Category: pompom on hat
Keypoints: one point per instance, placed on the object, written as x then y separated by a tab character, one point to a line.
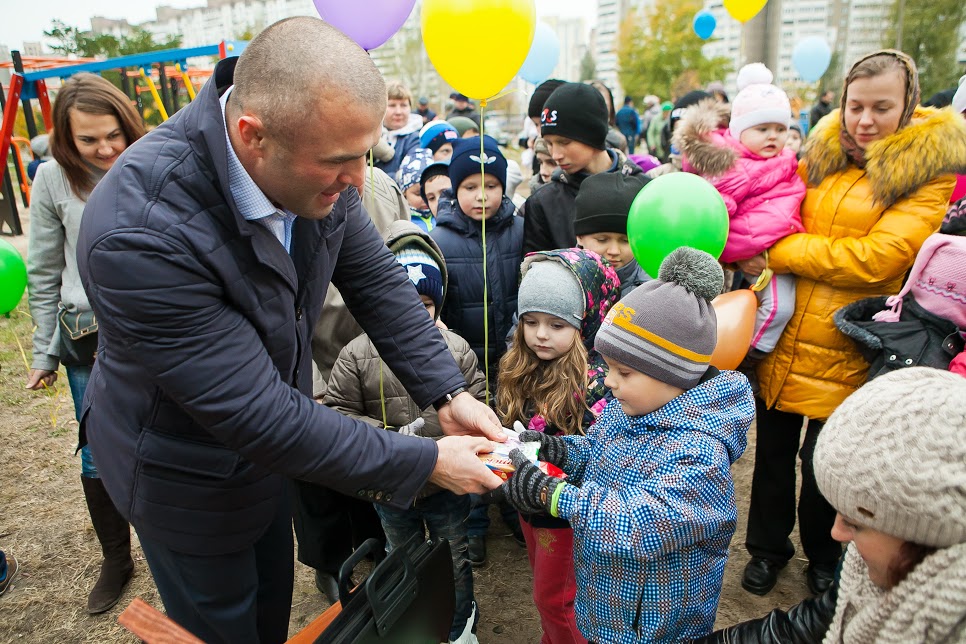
892	456
667	328
758	101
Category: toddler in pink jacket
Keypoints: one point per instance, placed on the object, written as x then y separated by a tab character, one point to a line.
746	160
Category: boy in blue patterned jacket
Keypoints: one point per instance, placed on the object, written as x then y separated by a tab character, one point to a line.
649	491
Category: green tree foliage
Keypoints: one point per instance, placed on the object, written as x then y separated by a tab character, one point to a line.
71	40
657	46
588	66
930	34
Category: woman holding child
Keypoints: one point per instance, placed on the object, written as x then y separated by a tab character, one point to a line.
878	180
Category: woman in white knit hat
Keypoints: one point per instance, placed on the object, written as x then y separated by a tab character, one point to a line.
892	462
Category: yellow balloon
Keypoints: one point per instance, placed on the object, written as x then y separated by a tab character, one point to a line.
478	46
744	10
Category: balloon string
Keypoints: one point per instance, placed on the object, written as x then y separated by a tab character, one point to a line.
486	286
370	196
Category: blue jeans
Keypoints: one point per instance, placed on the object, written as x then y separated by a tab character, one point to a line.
77	378
444	513
3	566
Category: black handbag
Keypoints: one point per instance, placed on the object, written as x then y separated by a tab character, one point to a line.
78	338
408	598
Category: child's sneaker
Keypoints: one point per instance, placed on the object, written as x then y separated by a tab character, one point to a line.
12	569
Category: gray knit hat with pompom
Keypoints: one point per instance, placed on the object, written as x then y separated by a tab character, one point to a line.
666	328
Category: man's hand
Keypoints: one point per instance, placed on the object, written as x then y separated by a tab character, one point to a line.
41	379
458	468
529	490
467	416
753	266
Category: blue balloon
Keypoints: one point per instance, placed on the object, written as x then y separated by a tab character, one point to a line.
543	56
704	24
811	58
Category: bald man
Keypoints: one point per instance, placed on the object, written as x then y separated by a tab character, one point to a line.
206	253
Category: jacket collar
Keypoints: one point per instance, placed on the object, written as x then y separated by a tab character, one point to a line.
932	145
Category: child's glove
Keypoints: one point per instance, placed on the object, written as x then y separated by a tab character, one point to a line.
414	428
553	449
529	490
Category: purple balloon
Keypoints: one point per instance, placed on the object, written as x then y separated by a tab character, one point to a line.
368	22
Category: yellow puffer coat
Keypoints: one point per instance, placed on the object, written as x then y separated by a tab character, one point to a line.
863	230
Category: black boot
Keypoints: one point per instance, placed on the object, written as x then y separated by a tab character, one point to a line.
114	533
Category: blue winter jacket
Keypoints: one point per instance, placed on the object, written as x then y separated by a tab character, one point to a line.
199	406
461	241
655	512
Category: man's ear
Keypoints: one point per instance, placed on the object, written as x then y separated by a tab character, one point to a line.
251	131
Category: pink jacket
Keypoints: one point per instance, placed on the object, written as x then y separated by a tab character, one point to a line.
763	196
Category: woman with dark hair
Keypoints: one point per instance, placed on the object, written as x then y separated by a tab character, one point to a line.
878	175
892	462
93	124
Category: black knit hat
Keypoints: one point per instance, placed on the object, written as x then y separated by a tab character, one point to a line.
577	112
603	202
683	103
540	96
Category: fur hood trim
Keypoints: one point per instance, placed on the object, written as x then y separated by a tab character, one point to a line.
932	145
693	137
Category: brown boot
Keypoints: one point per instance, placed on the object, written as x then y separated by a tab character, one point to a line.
114	533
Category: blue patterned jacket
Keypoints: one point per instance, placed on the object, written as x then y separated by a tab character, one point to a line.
654	512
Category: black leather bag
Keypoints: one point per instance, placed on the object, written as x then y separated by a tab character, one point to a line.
78	338
408	598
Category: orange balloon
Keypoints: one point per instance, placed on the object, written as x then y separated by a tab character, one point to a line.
735	311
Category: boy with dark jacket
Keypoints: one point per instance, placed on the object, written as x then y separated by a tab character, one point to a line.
574	124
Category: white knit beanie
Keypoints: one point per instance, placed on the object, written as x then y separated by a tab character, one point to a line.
758	101
893	456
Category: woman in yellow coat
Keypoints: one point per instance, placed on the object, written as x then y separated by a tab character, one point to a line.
879	179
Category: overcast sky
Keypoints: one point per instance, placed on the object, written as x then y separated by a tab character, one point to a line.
28	22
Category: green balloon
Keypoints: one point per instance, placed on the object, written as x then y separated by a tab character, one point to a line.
13	277
674	210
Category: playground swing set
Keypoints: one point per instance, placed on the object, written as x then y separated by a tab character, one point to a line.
138	74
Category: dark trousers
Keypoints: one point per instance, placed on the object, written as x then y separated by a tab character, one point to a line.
330	525
771	516
243	596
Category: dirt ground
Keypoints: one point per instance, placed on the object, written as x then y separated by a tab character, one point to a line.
44	522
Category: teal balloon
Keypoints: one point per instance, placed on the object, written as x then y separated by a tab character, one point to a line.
674	210
13	277
704	24
811	57
543	56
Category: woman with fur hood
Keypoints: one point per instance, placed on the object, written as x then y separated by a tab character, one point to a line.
746	161
879	172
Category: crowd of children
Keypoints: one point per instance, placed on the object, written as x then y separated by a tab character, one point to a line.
557	327
575	346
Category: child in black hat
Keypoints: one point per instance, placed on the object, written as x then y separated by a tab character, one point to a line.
574	124
603	204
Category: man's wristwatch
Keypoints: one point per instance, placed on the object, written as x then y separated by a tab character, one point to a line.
448	398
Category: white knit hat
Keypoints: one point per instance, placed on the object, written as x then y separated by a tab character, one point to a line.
893	456
758	101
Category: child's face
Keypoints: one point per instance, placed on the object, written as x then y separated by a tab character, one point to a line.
429	304
470	196
613	247
638	393
397	114
766	140
794	141
444	152
547	335
470	133
413	198
547	166
571	156
434	188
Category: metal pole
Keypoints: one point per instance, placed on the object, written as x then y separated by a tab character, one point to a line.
902	11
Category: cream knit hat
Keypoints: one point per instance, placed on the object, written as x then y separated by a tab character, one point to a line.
893	456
